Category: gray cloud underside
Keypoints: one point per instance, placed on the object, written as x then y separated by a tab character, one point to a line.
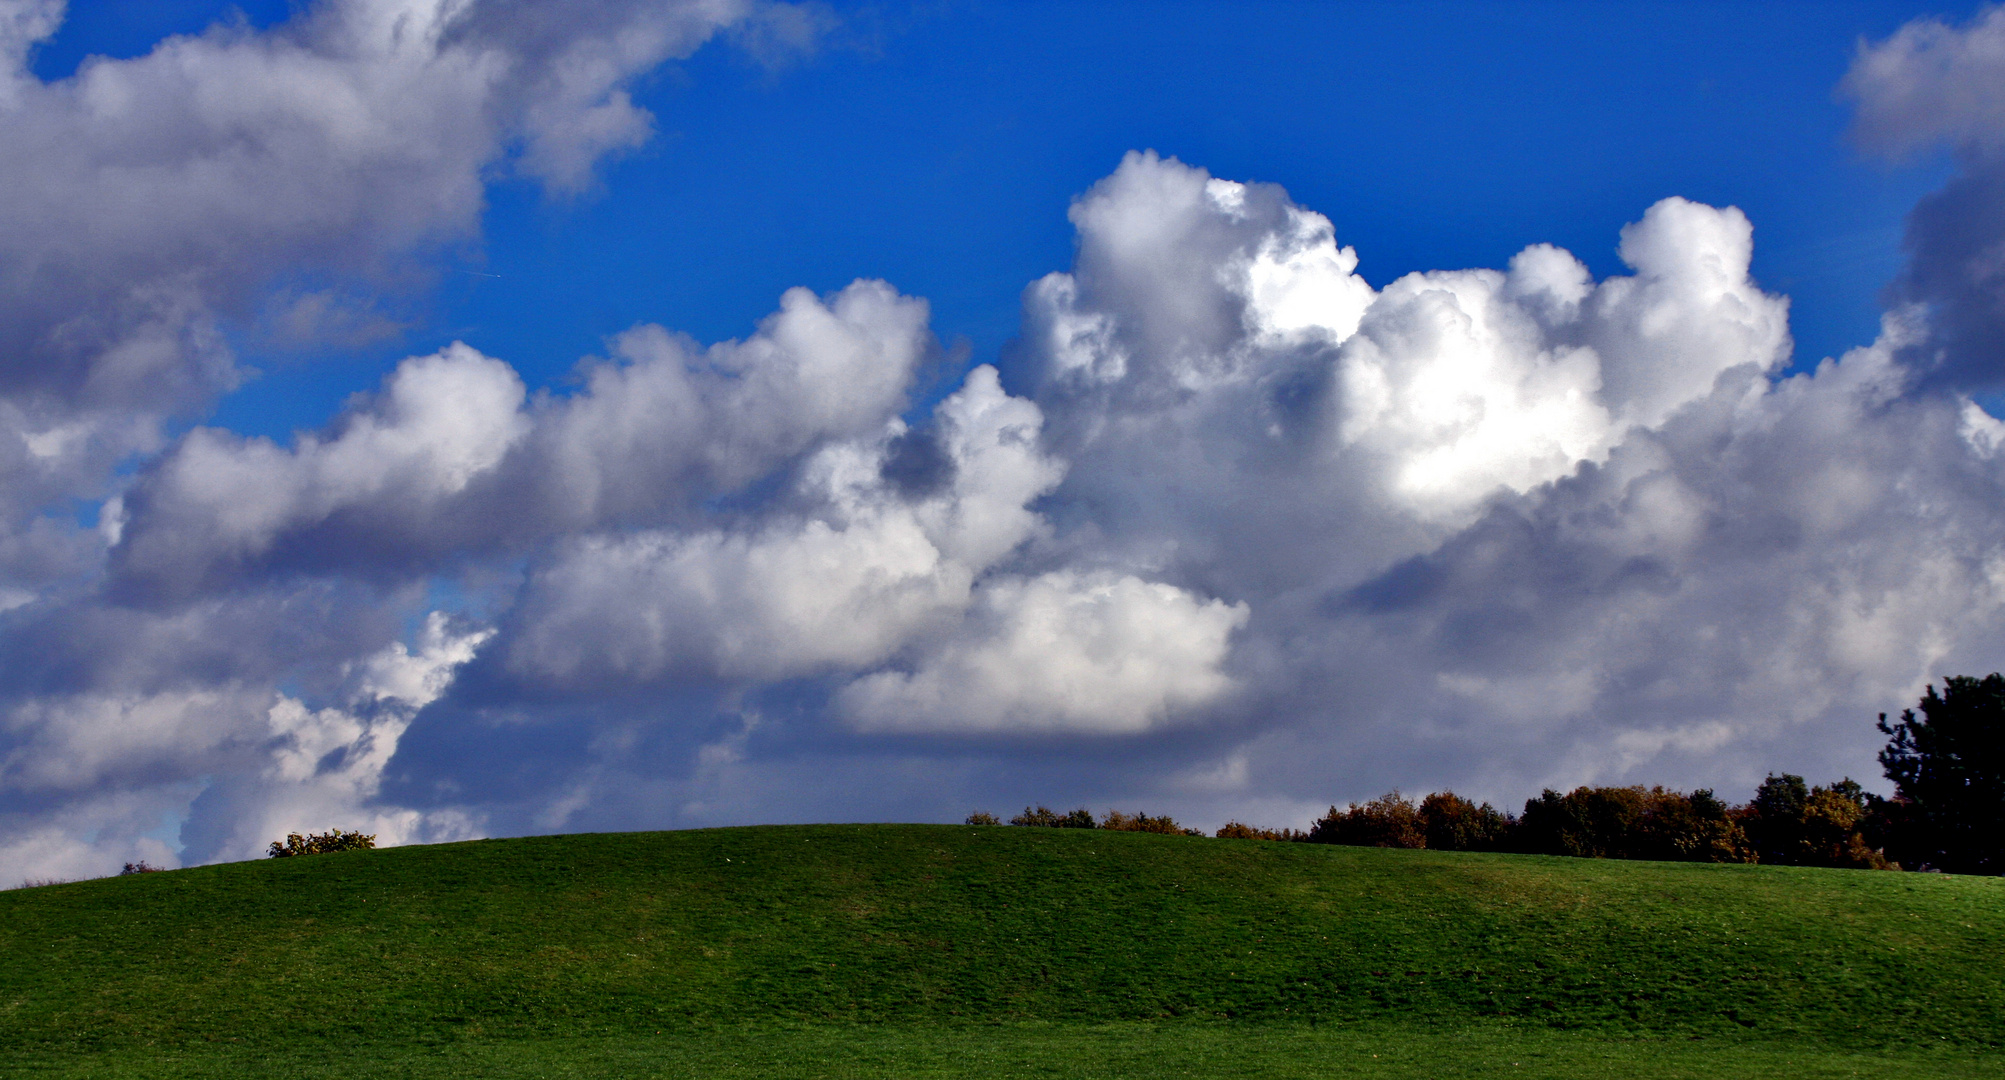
1239	535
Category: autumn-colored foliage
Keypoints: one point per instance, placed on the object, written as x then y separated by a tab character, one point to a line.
1453	823
1791	824
1633	823
320	843
1140	822
1389	821
1947	762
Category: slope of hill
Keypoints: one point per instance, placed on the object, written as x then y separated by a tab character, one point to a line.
945	928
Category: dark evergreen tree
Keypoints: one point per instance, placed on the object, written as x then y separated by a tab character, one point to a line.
1948	769
1588	822
1774	821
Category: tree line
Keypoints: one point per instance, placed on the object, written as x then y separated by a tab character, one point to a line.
1946	758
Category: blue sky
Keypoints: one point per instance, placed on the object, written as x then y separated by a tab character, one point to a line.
1128	489
937	146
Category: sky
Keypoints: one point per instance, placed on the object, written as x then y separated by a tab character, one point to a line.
453	418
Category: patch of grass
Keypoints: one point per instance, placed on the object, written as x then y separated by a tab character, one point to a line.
913	941
1140	1051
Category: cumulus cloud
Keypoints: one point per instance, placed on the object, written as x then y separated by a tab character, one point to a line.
1250	537
155	201
864	569
451	457
1279	536
152	200
148	194
1930	85
326	765
1061	652
1324	431
274	764
1467	382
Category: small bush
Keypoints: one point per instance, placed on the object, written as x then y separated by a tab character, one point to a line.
1044	817
1235	830
1140	822
321	843
140	867
981	817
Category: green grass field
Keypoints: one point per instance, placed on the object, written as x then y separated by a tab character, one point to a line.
917	950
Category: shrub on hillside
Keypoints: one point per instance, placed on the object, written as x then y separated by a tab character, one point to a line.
1442	820
1234	830
320	843
1389	821
1140	822
1045	817
981	817
1632	823
140	867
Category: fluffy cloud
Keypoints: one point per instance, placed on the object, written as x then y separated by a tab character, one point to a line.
152	199
1060	652
1251	536
1468	382
868	566
1932	84
128	761
326	765
146	194
451	457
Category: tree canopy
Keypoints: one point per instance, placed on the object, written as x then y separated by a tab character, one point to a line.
1948	768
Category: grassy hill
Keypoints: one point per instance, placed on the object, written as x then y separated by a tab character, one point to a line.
764	951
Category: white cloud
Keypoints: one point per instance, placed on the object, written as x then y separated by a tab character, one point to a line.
1932	83
1259	535
258	763
91	838
1175	269
440	422
84	740
152	201
325	766
846	584
150	190
450	457
1060	652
